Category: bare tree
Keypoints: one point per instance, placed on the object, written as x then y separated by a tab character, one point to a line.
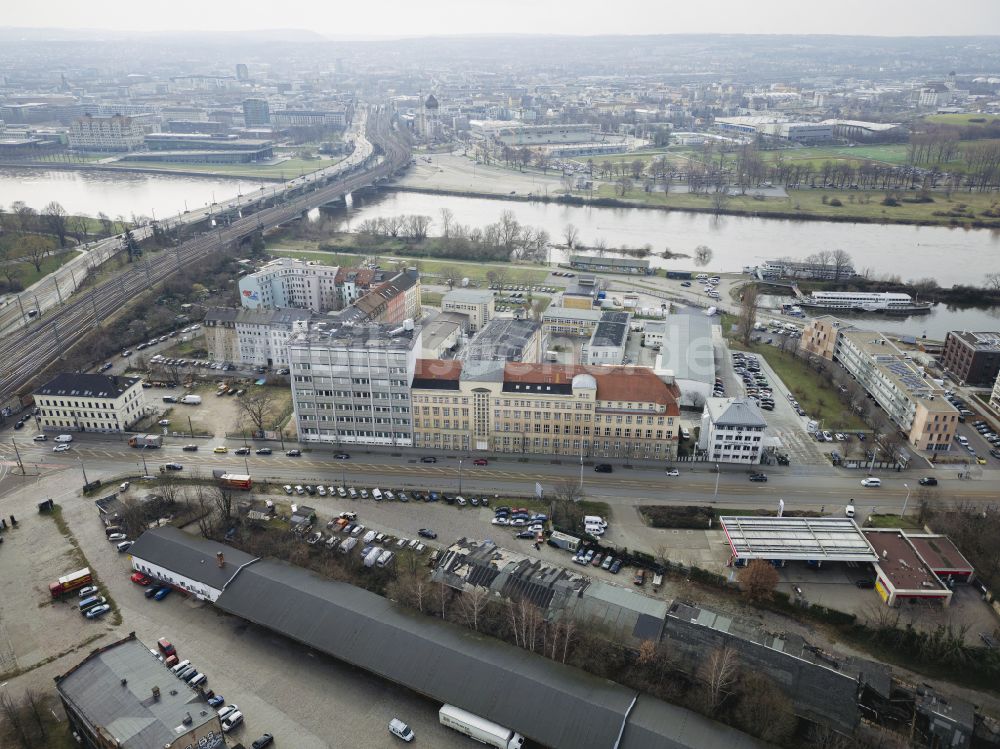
55	218
718	674
497	277
992	281
471	603
720	199
758	580
449	274
702	255
224	500
447	219
34	249
564	505
748	313
14	718
417	226
25	214
107	225
623	186
34	702
572	235
842	263
256	407
763	709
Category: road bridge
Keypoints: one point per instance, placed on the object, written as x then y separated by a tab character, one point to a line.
30	350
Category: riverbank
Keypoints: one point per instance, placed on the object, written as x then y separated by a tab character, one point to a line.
209	171
965	210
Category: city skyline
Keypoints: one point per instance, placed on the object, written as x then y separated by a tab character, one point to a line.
584	18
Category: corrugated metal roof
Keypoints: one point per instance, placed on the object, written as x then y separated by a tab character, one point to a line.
552	704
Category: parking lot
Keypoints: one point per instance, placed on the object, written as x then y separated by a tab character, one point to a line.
305	699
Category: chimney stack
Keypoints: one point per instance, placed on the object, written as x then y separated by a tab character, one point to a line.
156	693
220	559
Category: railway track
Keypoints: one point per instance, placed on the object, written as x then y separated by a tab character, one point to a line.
29	351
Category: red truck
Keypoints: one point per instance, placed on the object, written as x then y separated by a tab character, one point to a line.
235	481
72	581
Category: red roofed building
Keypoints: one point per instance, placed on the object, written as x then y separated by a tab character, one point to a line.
614	412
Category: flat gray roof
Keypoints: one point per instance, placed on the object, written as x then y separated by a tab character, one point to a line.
687	347
193	557
808	539
113	688
550	703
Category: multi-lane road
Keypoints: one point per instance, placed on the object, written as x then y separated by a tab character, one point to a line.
379	154
826	489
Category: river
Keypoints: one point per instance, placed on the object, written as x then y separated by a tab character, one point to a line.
951	256
116	194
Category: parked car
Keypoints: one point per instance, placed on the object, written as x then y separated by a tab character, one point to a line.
140	578
228	710
161	593
265	740
118	537
427	533
216	700
640	577
97	611
232	721
90	590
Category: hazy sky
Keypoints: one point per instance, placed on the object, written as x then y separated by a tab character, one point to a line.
345	18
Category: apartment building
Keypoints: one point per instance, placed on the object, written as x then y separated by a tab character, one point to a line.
914	402
351	383
72	401
478	305
392	301
115	133
820	336
732	431
258	337
290	282
256	113
995	396
972	358
614	412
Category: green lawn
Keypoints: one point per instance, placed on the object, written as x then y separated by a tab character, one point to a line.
28	275
285	170
809	204
431	298
820	402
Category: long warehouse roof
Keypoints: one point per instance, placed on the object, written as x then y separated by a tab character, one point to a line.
553	704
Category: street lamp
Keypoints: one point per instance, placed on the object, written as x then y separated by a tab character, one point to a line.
907	487
460	475
717	474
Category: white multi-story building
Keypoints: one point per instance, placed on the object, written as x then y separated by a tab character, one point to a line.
90	403
478	304
995	396
290	282
255	337
114	133
732	431
607	343
351	383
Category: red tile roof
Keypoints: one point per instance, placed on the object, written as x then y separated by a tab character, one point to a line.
436	369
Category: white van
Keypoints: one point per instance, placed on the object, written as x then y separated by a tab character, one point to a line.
181	666
385	559
377	495
369	537
595	530
64	438
595	520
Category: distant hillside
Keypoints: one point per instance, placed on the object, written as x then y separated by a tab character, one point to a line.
251	36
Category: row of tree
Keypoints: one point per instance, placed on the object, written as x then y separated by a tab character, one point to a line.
506	239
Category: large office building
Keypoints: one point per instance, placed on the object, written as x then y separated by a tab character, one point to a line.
123	696
290	282
258	337
351	383
256	113
73	401
614	412
732	431
912	399
478	305
115	133
972	358
776	127
570	321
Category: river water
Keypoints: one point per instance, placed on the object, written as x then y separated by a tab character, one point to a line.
949	255
115	193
